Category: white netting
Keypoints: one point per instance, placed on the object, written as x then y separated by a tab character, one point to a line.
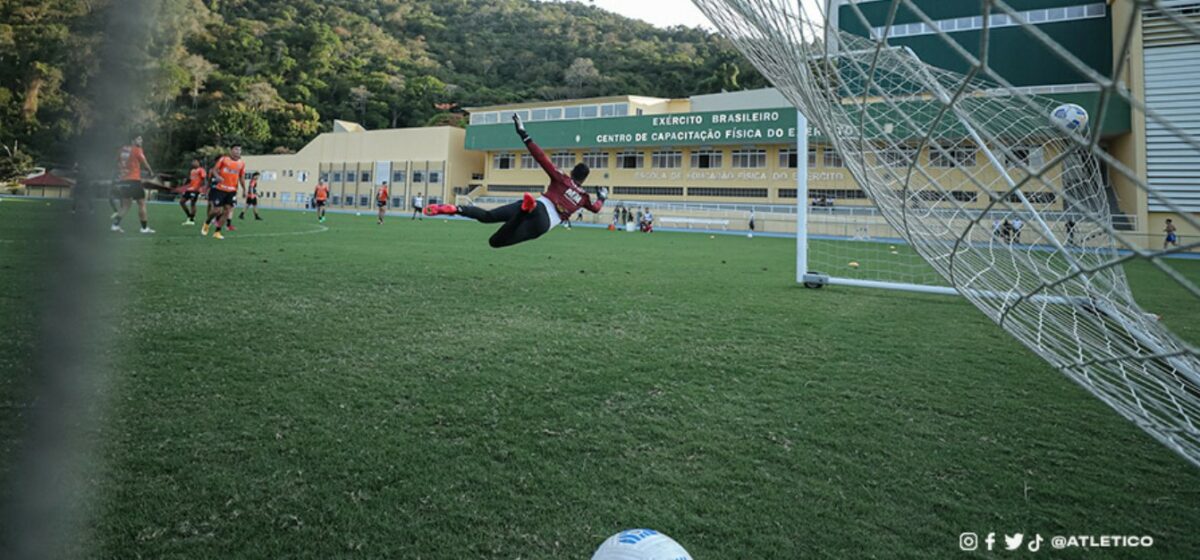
1043	257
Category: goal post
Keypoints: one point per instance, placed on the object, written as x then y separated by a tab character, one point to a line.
815	277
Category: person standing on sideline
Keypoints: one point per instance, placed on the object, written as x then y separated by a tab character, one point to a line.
1070	231
1017	225
1172	235
381	200
418	206
751	234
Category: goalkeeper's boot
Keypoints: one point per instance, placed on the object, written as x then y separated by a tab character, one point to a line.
204	229
218	236
528	203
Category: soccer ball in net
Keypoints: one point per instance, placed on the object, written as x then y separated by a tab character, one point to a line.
1069	116
640	544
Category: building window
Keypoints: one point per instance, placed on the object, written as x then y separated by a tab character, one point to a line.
418	177
435	177
1043	15
789	158
952	156
589	111
503	161
399	177
1033	158
939	196
834	194
571	113
366	177
649	191
812	156
832	158
897	156
706	159
362	200
527	162
596	160
335	198
630	160
749	159
727	192
1033	197
337	176
515	188
672	159
563	160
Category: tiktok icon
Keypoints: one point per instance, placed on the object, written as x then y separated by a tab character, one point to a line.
1035	543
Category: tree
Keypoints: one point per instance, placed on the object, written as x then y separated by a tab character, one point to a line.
581	74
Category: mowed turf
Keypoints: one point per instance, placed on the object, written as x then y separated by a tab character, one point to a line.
404	391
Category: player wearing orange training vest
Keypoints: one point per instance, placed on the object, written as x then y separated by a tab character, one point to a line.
191	193
252	198
320	198
128	186
230	171
381	200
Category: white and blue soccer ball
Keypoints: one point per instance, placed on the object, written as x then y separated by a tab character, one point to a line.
1070	116
640	544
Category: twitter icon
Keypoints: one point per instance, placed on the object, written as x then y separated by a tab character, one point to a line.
1014	542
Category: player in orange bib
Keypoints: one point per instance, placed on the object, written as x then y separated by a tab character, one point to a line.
191	193
381	200
231	172
320	197
251	198
128	186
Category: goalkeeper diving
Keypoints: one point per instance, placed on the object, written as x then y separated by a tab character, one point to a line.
530	218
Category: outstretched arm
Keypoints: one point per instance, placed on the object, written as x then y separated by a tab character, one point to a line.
534	149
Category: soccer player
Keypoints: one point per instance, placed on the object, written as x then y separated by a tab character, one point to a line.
418	206
252	198
1172	236
381	200
231	171
128	188
531	218
320	197
191	194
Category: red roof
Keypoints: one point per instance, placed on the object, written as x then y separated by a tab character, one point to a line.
47	179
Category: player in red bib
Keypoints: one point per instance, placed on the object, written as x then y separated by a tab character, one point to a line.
532	217
191	193
231	172
251	198
320	197
128	186
381	200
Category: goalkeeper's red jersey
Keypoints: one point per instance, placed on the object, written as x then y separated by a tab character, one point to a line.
567	197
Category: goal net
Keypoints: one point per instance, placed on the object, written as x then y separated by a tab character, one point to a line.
1009	206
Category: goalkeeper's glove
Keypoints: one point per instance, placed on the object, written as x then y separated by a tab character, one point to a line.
602	193
520	128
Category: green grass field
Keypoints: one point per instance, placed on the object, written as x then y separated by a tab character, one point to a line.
406	392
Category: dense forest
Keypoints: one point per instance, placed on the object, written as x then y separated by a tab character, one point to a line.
270	74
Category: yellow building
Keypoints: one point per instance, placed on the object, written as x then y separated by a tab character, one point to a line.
354	162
